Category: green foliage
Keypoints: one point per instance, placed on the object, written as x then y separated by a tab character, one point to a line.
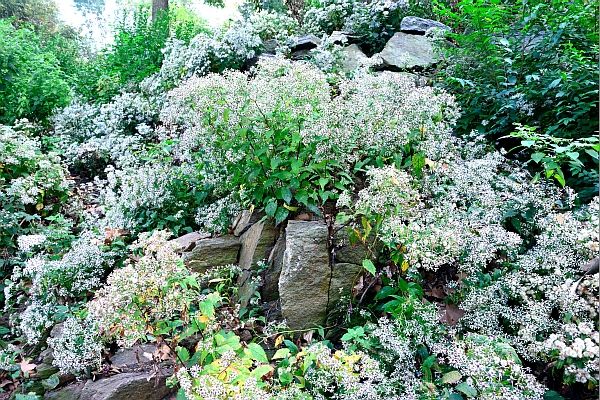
32	83
532	63
136	52
553	154
33	190
279	171
40	13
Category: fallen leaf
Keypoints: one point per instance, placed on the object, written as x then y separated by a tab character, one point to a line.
452	314
279	340
26	367
303	217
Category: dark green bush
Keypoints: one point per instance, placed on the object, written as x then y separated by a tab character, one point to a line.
532	63
136	52
32	82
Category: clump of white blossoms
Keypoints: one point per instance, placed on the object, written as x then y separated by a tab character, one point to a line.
576	348
27	243
536	294
29	176
388	190
492	369
140	293
77	349
381	114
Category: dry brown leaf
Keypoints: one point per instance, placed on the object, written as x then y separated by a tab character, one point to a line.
452	314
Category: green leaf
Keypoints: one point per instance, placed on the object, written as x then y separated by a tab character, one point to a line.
290	345
573	155
369	266
261	371
280	215
52	382
181	395
271	208
527	143
183	354
552	395
256	352
467	389
451	377
285	378
537	157
281	353
286	194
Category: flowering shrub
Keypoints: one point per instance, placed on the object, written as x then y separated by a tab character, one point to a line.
491	369
33	186
576	350
145	296
152	196
249	134
530	300
373	21
78	348
384	115
244	372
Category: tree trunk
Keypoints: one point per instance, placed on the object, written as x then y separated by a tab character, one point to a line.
159	6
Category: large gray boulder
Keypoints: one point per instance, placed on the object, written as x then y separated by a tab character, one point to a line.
343	279
405	52
305	274
126	386
305	42
212	252
353	58
256	243
269	290
133	356
419	26
345	251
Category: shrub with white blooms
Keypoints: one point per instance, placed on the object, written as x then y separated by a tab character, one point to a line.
77	349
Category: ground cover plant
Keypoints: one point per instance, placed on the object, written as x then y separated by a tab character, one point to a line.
470	188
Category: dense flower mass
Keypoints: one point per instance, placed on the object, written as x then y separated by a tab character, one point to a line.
141	292
78	348
473	274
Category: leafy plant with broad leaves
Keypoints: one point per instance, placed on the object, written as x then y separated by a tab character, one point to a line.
279	171
553	154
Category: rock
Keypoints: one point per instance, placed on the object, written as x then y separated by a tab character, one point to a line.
343	277
128	386
256	243
404	51
245	220
213	252
270	46
353	58
71	392
592	266
346	252
305	274
339	37
44	370
305	42
140	354
419	26
188	241
270	277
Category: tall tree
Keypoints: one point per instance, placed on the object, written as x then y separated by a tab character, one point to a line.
158	6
